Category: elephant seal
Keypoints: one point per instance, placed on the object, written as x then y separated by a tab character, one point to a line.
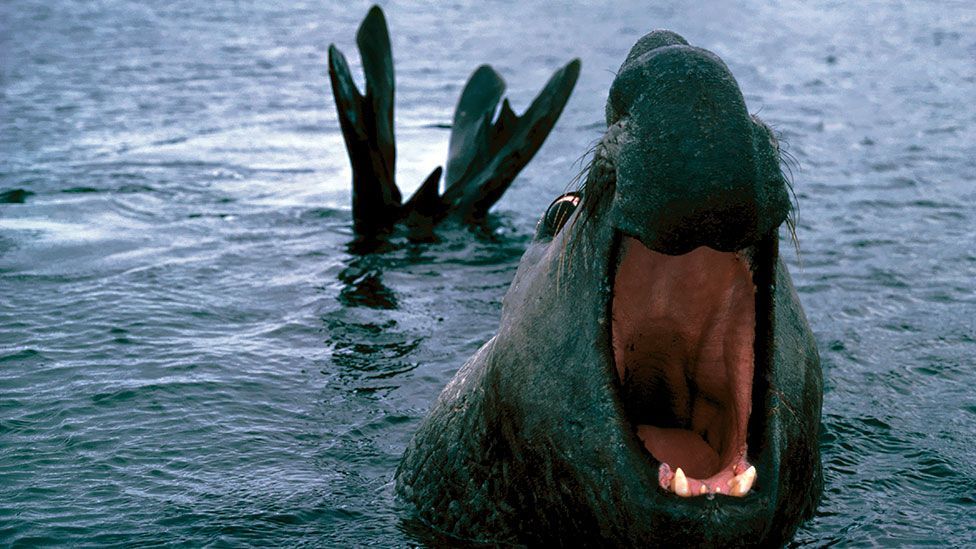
653	379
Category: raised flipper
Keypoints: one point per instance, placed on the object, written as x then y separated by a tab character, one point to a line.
484	156
472	126
367	126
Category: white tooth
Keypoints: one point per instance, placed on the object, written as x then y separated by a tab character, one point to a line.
750	474
741	484
704	489
680	484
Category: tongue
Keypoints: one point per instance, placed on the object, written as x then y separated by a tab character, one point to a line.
680	447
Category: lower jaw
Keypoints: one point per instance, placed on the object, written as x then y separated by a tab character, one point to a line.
735	477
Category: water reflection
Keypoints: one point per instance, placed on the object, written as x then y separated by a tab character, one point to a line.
414	244
362	285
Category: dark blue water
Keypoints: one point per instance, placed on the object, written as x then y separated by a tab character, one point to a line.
189	353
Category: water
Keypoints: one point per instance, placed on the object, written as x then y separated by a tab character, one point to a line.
190	353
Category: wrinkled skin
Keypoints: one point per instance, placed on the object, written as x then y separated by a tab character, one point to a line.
530	443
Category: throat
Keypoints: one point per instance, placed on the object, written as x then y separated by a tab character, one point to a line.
683	336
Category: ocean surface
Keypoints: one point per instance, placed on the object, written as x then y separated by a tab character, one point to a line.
191	354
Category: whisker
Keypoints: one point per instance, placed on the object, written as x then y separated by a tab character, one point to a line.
790	163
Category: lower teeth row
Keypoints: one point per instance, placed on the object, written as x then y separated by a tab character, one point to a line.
738	486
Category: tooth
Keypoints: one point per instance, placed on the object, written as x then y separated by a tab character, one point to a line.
741	484
704	489
680	483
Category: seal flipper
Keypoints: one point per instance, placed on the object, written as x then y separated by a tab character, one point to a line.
424	208
511	142
426	201
484	157
471	131
373	39
367	126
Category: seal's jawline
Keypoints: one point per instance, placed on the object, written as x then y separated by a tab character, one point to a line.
683	334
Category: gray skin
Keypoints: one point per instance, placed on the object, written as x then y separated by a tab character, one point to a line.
530	443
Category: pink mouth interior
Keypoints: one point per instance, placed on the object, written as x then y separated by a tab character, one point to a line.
683	333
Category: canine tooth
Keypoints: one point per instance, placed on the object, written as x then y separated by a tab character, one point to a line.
743	483
751	474
680	483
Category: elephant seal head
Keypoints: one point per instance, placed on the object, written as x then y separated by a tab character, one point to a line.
653	379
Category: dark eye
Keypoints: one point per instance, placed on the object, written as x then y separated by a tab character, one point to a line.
559	211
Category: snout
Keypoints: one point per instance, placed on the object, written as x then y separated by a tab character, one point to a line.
693	168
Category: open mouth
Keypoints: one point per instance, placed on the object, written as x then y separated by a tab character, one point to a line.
684	332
